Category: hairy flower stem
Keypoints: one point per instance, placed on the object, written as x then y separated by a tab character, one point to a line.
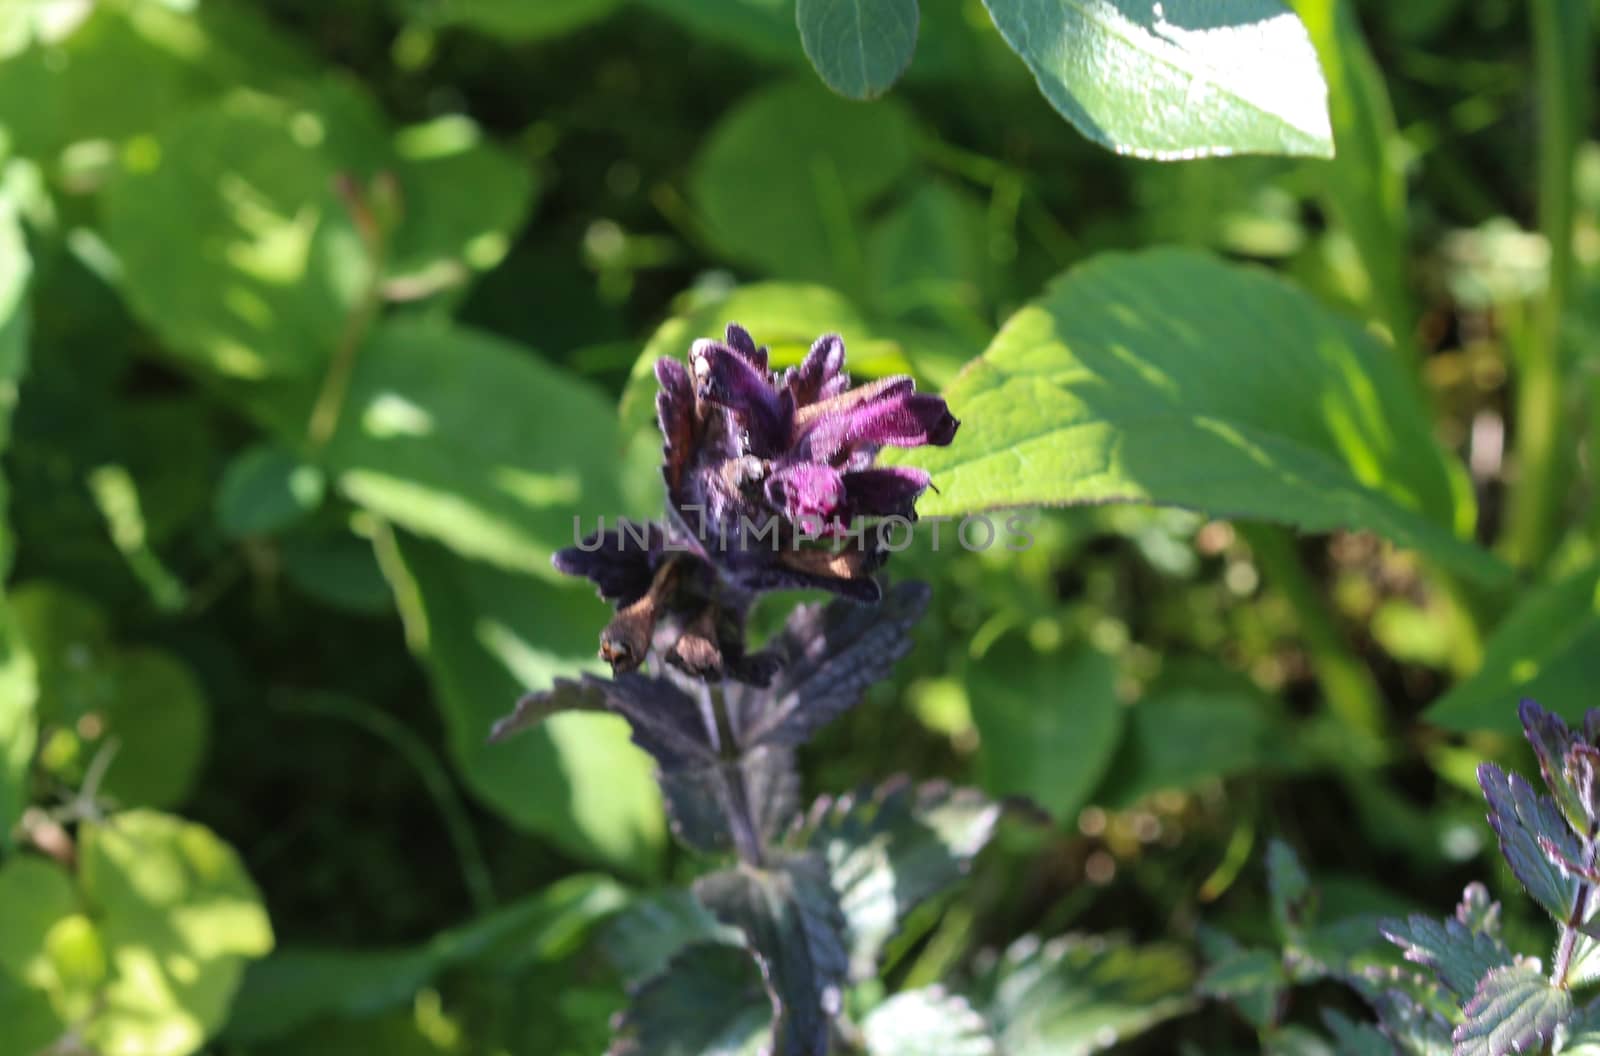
1568	943
732	791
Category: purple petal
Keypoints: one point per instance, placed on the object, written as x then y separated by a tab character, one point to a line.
905	419
806	490
724	377
890	491
675	412
740	341
821	374
619	561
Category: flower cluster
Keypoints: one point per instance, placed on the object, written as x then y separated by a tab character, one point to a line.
762	469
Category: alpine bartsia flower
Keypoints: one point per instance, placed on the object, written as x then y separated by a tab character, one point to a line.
763	470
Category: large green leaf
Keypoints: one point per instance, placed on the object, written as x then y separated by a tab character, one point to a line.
1048	723
1180	79
783	179
275	263
1076	995
858	47
295	987
17	681
38	993
1171	378
475	442
180	919
487	637
1546	649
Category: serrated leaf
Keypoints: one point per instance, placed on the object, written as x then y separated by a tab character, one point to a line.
708	1002
889	850
1180	79
1356	1039
782	179
297	986
830	655
858	47
487	637
1293	898
180	919
1547	649
927	1022
1076	994
651	932
1415	1028
1520	817
1169	377
1514	1010
1459	956
791	919
266	489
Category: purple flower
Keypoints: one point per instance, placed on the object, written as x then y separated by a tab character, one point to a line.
759	467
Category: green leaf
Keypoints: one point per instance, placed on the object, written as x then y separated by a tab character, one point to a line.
18	680
516	20
264	490
1048	724
180	919
890	849
1179	738
295	987
487	637
931	251
925	1022
644	939
454	435
1179	79
762	28
1171	378
19	693
275	263
1515	1009
782	180
709	1002
1294	900
158	716
858	47
791	920
1458	955
1546	649
1076	995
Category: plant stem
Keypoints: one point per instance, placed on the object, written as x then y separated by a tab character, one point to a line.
1560	42
732	786
1580	904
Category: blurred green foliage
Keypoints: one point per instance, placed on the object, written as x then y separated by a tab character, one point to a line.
321	321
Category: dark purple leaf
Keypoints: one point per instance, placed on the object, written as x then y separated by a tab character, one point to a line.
1515	1010
641	941
708	1000
1519	816
888	850
1551	738
829	656
1458	955
794	927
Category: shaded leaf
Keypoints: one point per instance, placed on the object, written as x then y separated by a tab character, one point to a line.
708	1002
1457	954
487	637
1254	979
297	986
1417	1029
858	47
1077	994
889	850
1356	1039
927	1022
1171	378
1520	817
1048	724
1180	79
651	932
1547	648
161	723
830	655
1515	1009
781	179
180	919
264	490
1293	898
515	20
792	922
